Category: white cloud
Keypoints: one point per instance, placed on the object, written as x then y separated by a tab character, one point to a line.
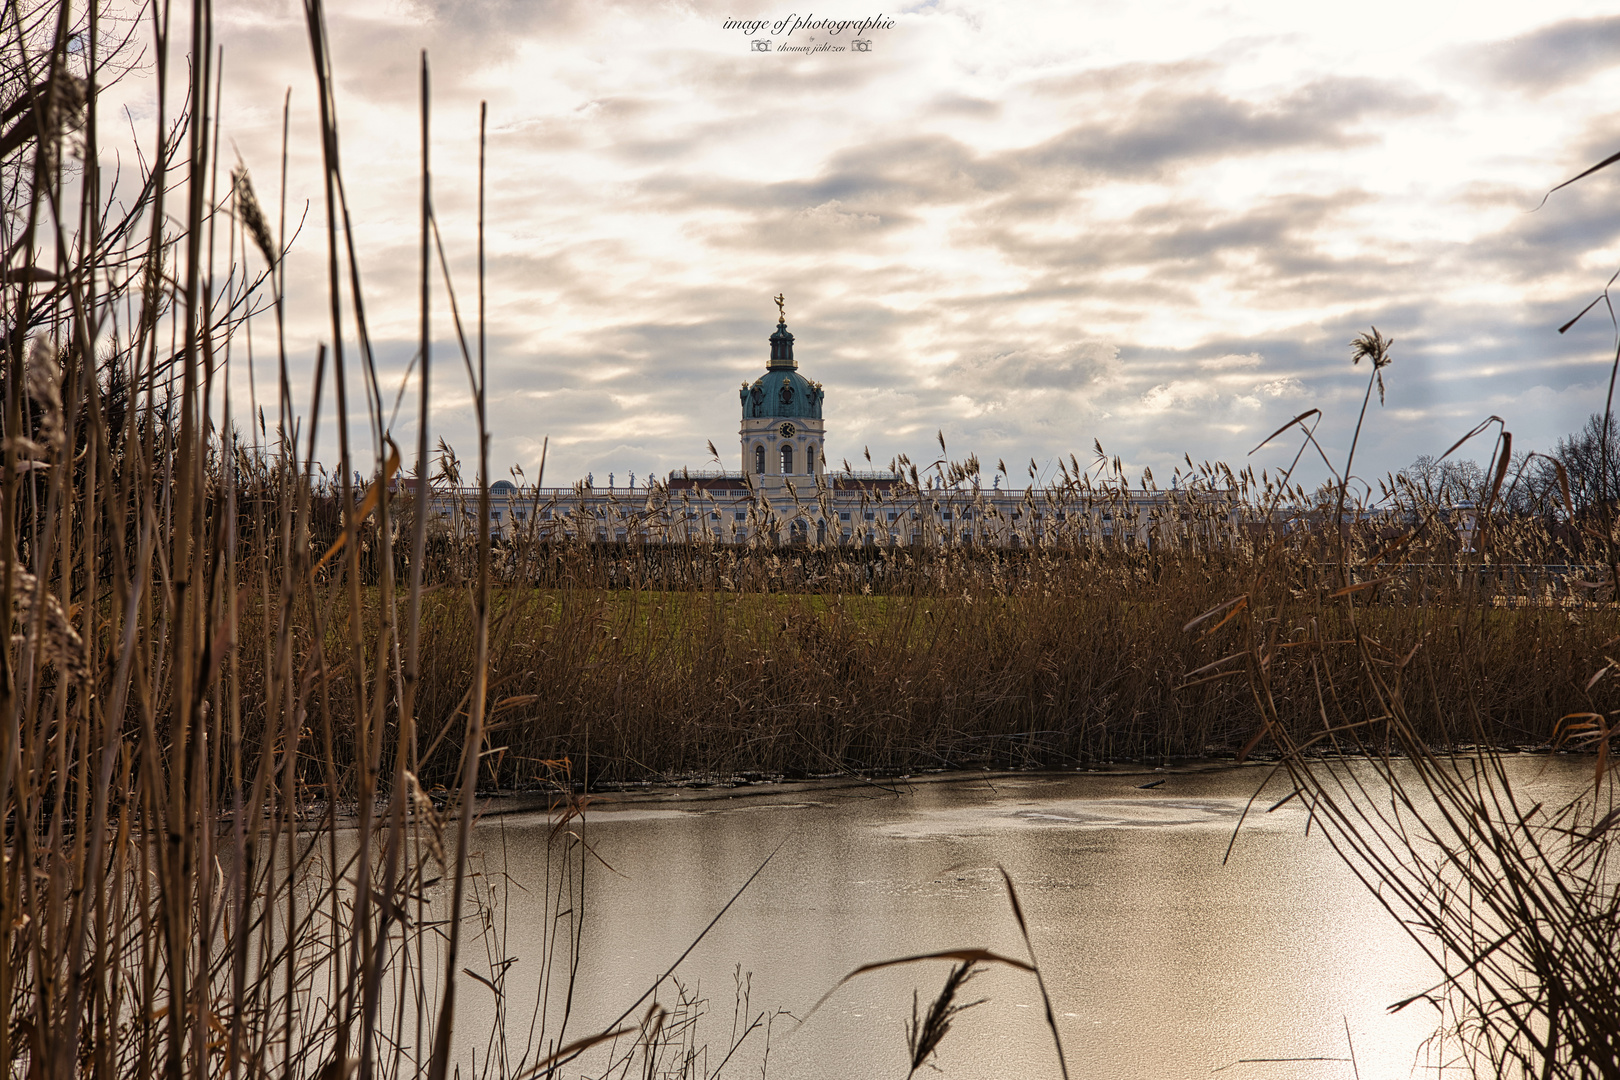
1157	224
1230	362
1286	386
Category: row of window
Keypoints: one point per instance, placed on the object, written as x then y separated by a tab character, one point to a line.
890	539
546	513
799	534
787	460
742	515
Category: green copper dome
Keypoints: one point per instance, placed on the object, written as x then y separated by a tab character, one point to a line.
782	391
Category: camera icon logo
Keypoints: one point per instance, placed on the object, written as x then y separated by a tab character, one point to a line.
762	46
862	46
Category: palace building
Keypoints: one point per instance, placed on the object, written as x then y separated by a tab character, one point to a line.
784	493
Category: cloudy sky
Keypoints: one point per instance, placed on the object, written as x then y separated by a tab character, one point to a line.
1030	226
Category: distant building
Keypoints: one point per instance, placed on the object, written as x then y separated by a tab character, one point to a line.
784	494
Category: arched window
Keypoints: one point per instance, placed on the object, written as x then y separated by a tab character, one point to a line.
759	459
810	460
787	461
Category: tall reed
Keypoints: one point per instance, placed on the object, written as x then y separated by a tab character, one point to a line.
1513	897
690	654
220	859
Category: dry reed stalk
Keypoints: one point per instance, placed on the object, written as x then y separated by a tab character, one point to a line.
193	706
1514	901
925	1033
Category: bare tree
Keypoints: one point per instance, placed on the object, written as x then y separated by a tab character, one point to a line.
1585	462
1453	480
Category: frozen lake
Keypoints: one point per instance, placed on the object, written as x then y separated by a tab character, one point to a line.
1162	962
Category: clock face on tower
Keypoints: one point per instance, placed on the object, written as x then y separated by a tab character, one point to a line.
786	431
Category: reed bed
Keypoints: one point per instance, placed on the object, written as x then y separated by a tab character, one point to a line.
1516	900
1079	661
693	657
220	859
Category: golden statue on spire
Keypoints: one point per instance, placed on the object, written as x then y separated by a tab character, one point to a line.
781	313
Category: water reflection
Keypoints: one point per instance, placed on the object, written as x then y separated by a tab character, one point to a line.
1162	962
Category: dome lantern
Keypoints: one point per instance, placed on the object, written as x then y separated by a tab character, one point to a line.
782	347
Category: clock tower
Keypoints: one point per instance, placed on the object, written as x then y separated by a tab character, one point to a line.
782	428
